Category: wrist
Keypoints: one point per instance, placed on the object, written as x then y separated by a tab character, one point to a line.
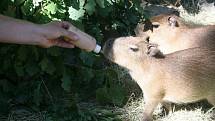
37	34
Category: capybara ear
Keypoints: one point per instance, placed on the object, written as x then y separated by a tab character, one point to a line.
153	51
172	21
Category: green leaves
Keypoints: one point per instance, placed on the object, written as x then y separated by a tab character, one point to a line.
18	2
54	51
47	66
114	94
90	7
51	8
37	97
66	82
6	86
32	69
27	8
76	14
101	3
102	95
71	75
19	70
87	58
22	53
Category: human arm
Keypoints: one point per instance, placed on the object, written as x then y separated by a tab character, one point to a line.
45	35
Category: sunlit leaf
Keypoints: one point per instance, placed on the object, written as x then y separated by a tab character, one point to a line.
51	8
36	2
76	14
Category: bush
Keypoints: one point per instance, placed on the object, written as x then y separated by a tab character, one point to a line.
57	79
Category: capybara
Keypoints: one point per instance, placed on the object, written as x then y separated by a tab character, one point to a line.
172	33
180	77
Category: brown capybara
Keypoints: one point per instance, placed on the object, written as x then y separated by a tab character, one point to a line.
181	77
172	33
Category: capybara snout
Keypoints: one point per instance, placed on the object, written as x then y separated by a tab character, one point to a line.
108	49
125	50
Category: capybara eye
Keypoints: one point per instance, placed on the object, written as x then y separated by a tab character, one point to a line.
134	48
110	42
147	39
156	26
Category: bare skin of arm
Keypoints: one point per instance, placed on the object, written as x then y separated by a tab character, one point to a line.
45	35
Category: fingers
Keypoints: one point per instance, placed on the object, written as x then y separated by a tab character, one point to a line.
64	25
56	42
64	44
69	35
57	31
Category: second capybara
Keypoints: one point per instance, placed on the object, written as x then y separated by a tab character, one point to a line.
172	33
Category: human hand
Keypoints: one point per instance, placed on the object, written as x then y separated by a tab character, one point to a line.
52	34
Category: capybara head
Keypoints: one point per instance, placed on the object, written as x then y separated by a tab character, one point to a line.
172	33
157	23
160	27
128	51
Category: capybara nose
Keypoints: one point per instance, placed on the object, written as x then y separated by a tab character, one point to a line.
108	45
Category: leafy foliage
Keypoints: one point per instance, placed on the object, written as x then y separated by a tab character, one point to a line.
57	79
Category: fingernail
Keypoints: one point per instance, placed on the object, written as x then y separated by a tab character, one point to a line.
66	39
